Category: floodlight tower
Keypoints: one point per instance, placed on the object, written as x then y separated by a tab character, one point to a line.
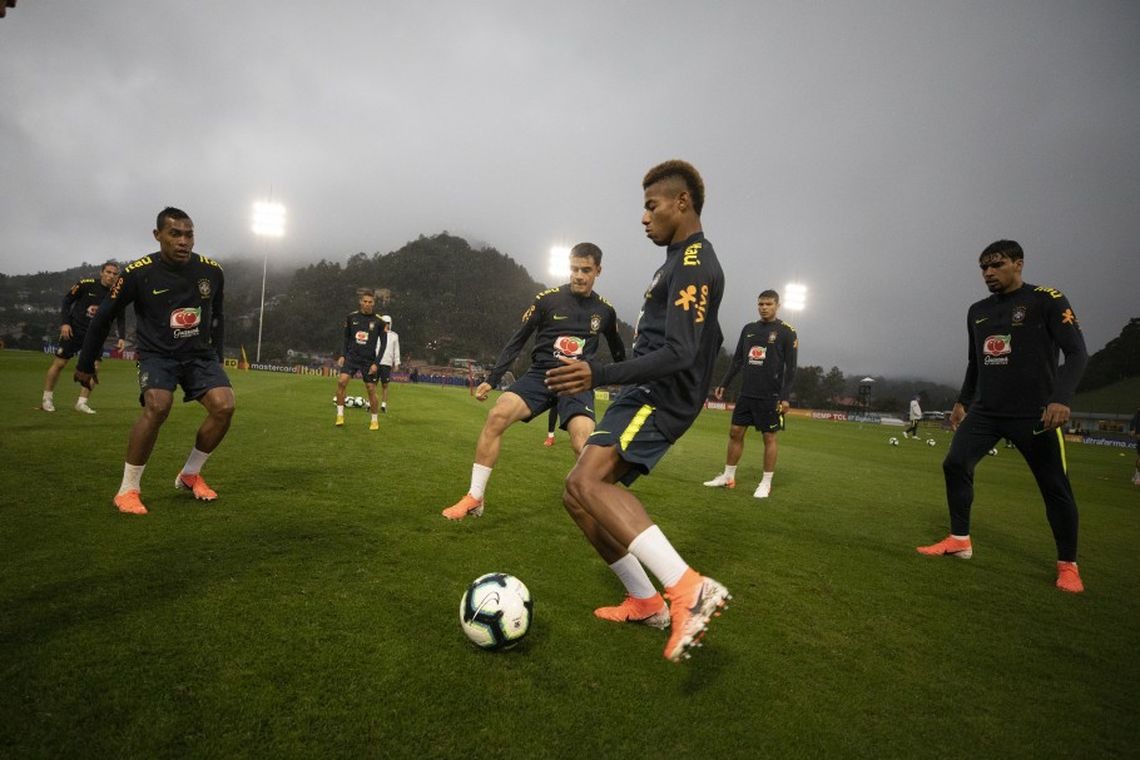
268	222
559	262
795	296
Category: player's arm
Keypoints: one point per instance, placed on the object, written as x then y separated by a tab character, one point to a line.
689	289
970	381
346	343
733	367
1062	326
69	299
530	321
395	350
791	358
613	339
121	326
218	324
122	293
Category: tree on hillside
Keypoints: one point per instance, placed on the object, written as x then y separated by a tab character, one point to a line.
1119	359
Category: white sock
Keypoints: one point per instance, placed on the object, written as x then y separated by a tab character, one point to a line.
80	402
479	477
340	410
961	538
49	395
132	477
654	551
195	462
767	478
383	404
550	435
730	471
633	576
375	417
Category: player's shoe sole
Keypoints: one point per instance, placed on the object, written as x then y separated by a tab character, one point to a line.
692	604
950	547
467	506
1069	578
720	481
652	612
196	486
129	503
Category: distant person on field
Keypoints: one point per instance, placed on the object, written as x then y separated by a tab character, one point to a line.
1014	389
79	306
1134	432
914	416
177	295
767	351
666	383
389	349
566	322
362	334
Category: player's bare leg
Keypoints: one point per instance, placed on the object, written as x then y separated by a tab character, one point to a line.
580	427
140	444
341	387
373	406
50	379
508	409
727	479
219	404
771	448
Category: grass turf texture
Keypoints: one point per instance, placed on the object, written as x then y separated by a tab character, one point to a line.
313	609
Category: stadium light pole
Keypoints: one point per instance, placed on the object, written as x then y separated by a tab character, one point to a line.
559	265
795	296
268	221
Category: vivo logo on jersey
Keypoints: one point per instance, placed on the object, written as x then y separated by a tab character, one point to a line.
997	349
757	354
362	337
569	347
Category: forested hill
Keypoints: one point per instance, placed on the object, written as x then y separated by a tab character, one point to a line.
446	300
1118	360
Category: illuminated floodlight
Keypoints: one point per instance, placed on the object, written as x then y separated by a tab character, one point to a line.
795	296
559	265
268	219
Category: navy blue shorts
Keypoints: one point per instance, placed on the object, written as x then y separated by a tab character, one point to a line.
385	373
630	423
760	413
196	375
69	347
352	367
531	388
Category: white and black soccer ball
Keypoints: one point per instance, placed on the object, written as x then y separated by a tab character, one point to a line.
360	402
892	441
992	452
496	611
931	442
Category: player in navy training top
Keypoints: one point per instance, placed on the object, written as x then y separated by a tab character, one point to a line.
79	306
1134	433
566	322
667	382
362	335
1014	389
179	324
767	352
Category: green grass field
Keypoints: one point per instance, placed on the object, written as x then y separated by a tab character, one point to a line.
312	611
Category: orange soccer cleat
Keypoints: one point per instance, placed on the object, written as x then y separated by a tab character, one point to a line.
468	505
694	600
950	546
129	503
196	485
1069	578
652	612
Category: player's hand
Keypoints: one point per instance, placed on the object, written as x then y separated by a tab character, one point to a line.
572	377
121	344
1054	416
87	379
957	414
372	370
65	332
783	406
718	393
482	391
340	362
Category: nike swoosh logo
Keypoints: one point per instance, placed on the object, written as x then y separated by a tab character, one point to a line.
599	432
588	409
558	317
160	292
979	321
696	608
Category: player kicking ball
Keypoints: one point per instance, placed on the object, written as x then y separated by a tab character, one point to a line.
667	380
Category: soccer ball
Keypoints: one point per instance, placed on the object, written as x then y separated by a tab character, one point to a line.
892	441
931	442
992	452
496	611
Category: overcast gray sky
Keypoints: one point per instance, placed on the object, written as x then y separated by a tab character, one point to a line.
869	149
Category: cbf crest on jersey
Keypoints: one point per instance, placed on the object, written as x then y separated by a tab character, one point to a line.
595	323
204	287
1018	315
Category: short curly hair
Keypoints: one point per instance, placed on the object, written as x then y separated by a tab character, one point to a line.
685	172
